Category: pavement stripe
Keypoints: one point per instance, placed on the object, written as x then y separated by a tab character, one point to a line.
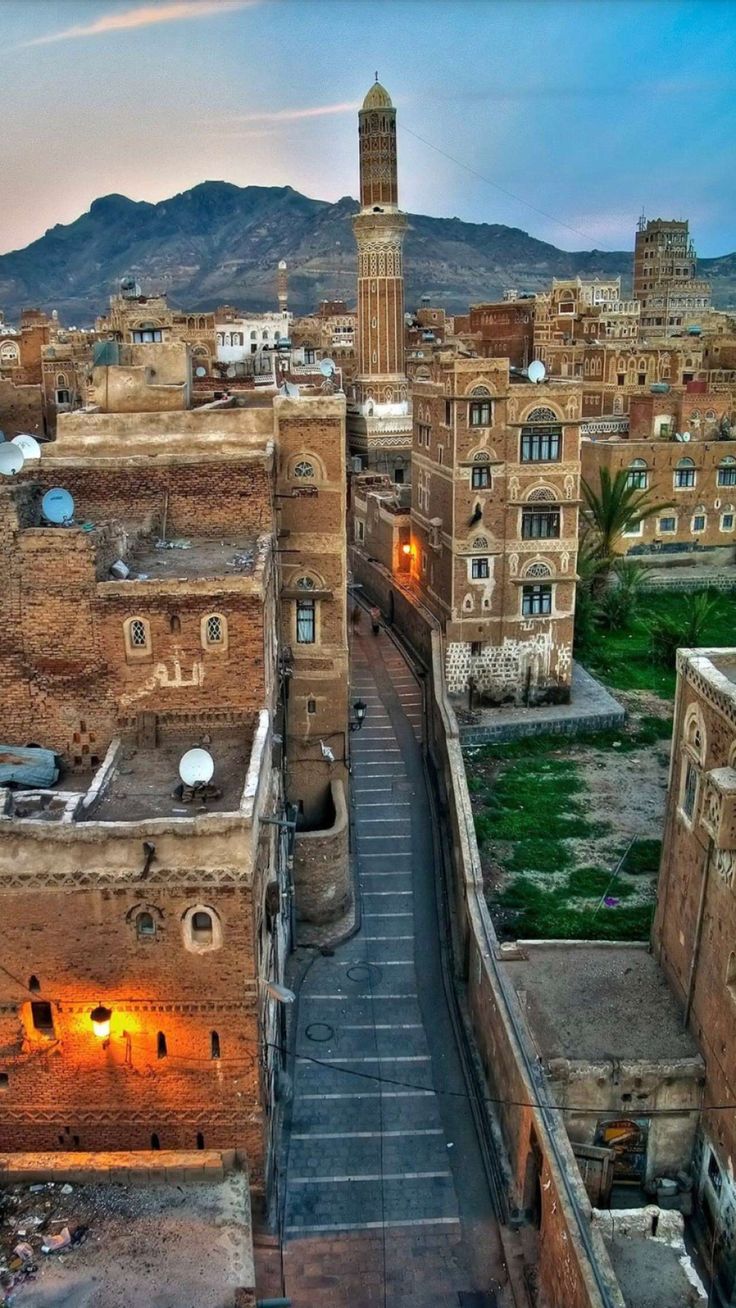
377	1094
365	1135
372	938
373	1058
372	1226
387	892
382	1026
366	1176
349	995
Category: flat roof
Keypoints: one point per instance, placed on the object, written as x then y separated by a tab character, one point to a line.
586	1001
143	780
166	1245
653	1273
188	556
726	664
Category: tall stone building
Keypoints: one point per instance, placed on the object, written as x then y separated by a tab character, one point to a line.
666	283
379	422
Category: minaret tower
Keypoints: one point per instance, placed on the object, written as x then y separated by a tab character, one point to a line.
379	227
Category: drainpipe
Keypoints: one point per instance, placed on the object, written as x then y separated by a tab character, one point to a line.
698	937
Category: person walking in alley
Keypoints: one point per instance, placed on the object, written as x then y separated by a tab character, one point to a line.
375	619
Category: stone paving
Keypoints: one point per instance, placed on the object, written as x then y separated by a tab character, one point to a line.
386	1199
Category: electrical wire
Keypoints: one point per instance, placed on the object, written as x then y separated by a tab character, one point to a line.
481	177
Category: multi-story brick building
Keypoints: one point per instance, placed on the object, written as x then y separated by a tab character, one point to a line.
494	525
169	909
695	925
379	421
671	295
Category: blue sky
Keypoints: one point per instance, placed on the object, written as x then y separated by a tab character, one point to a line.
586	110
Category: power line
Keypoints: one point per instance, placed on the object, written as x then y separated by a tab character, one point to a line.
509	194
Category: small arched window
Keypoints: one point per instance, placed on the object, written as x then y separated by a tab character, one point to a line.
542	414
304	470
254	336
214	1044
538	570
137	637
200	1140
638	475
161	1050
304	583
726	475
145	926
34	983
684	474
214	631
175	624
155	1142
202	930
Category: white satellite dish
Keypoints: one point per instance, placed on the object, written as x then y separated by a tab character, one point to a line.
536	372
200	371
57	506
232	371
196	767
289	389
28	445
327	367
686	435
11	459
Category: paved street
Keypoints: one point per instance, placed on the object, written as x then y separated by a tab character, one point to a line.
386	1200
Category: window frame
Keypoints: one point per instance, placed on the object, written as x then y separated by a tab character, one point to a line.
480	568
480	412
133	649
214	646
535	441
480	477
551	515
685	475
537	600
305	612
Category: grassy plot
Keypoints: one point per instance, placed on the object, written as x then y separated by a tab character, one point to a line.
623	658
550	859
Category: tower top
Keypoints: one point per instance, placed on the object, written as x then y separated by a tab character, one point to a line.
377	98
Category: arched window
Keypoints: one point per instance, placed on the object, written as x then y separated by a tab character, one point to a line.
201	929
175	624
684	474
145	926
542	493
200	1140
542	414
726	475
304	583
161	1050
155	1143
254	336
214	631
34	983
61	381
137	637
9	354
214	1044
480	409
304	470
538	570
638	475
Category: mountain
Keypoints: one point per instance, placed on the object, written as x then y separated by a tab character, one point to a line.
219	243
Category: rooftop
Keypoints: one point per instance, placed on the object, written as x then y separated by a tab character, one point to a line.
586	1002
164	1244
142	780
715	666
187	557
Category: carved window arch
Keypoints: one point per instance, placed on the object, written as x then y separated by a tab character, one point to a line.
481	456
213	632
538	569
480	393
542	414
307	468
137	633
479	543
542	493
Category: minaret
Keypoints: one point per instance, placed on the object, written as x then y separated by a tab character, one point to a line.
379	231
282	286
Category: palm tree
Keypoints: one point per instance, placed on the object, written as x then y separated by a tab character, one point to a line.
615	508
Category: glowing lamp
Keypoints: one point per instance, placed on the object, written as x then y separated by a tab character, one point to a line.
100	1019
406	549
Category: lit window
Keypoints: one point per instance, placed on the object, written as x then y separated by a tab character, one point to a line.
479	569
480	478
684	474
305	622
145	926
536	601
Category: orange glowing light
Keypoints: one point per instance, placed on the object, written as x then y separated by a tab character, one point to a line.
406	549
100	1019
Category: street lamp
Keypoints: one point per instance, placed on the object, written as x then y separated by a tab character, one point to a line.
360	709
100	1019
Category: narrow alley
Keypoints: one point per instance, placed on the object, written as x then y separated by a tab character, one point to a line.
386	1197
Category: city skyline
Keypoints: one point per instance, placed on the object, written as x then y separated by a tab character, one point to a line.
150	99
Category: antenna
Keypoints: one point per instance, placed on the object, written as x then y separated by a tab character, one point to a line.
327	367
57	506
289	389
11	459
196	767
28	445
536	372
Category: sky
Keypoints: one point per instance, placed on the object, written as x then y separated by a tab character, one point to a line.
567	118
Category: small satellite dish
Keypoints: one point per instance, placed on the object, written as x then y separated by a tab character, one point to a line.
57	506
196	767
327	367
686	435
289	389
200	371
536	372
11	459
232	371
28	445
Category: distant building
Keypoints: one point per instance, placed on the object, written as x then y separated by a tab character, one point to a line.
672	296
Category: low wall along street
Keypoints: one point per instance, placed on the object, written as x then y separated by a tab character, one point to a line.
574	1267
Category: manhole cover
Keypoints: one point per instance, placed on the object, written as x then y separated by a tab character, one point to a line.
364	972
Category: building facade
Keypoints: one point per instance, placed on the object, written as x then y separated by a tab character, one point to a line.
666	284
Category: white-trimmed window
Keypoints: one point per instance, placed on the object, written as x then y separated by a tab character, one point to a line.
698	523
727	519
634	529
480	408
214	631
726	475
479	569
536	601
480	477
685	475
201	929
137	632
306	621
667	525
638	474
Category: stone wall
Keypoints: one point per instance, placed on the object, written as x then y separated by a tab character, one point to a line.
21	409
322	881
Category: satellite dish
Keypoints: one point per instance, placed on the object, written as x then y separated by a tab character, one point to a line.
232	371
536	372
28	445
11	459
327	367
196	767
686	435
57	506
200	372
289	389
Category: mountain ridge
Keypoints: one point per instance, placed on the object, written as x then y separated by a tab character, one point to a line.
218	242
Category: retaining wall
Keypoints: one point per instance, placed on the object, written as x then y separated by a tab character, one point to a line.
574	1267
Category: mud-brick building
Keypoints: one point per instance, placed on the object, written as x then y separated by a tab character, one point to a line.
494	525
695	925
170	911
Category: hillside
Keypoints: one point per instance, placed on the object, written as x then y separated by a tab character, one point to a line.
220	243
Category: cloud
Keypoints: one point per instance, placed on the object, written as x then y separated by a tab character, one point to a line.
294	115
169	11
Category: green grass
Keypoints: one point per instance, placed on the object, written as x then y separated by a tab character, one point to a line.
623	658
643	858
